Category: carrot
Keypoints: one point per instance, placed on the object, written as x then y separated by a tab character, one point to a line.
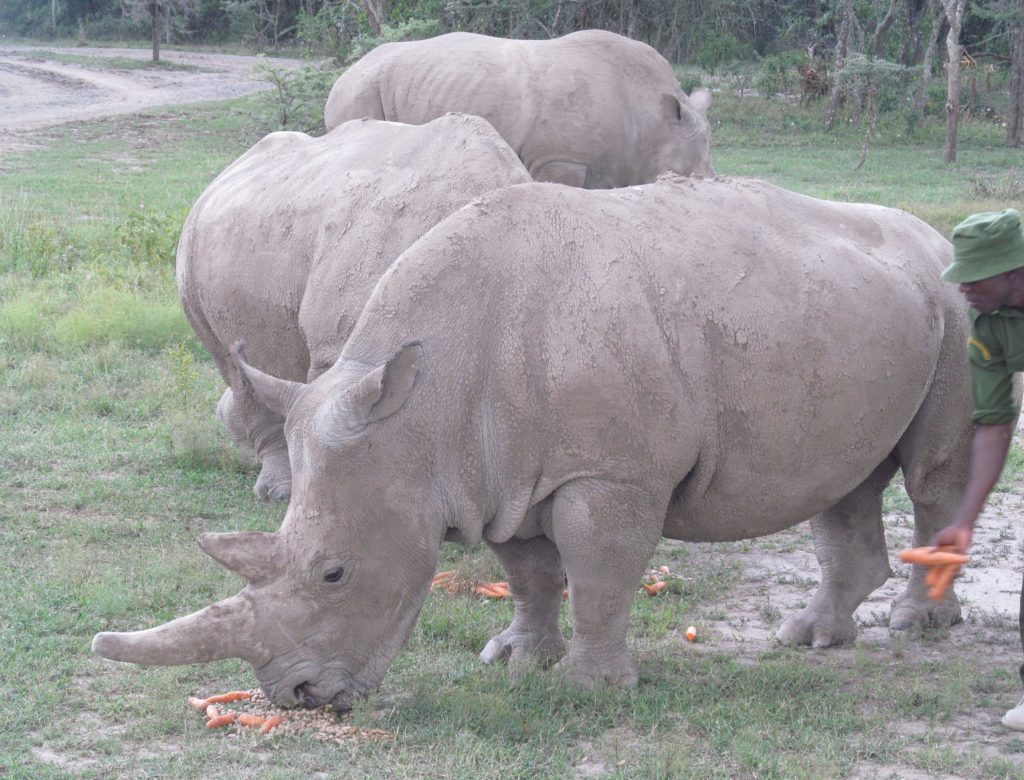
942	582
930	556
223	720
491	590
663	570
655	589
231	696
248	719
197	703
212	711
931	575
270	723
442	577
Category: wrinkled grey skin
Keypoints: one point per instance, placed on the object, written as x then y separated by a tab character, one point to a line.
591	109
284	247
701	360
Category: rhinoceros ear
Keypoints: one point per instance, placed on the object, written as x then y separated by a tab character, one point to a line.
278	395
675	112
700	99
379	393
252	554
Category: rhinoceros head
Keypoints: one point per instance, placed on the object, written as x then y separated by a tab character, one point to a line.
685	143
333	594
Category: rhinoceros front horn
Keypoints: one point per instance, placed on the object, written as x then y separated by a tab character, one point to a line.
216	632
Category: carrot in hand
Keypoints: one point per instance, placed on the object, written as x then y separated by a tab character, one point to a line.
943	580
931	556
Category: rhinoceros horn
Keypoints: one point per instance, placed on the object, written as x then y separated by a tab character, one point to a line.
211	634
277	395
381	392
251	554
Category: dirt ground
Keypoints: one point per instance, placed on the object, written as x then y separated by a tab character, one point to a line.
780	573
38	91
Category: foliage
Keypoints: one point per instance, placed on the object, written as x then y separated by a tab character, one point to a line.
147	237
298	96
717	49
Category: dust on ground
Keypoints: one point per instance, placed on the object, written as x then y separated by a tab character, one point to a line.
39	90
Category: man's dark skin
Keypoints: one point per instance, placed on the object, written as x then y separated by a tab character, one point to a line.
991	442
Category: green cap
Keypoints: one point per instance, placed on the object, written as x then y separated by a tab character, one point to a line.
986	245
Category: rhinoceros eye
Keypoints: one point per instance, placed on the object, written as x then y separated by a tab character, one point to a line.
335	575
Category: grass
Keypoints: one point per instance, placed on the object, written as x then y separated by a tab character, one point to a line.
112	463
109	63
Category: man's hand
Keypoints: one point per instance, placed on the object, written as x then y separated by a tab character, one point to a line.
956	536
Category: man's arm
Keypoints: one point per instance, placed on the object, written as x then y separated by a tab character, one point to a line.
988	456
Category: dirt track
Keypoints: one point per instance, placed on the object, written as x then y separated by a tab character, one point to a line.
38	90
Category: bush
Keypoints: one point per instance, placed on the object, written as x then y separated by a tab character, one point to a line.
298	98
718	48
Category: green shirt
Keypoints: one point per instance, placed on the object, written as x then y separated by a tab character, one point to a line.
996	352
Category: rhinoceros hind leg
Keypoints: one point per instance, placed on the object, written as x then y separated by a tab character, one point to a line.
850	544
535	576
606	533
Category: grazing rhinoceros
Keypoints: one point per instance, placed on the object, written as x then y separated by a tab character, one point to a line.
591	109
284	247
571	375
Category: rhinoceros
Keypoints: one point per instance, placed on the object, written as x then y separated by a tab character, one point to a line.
284	247
571	375
590	109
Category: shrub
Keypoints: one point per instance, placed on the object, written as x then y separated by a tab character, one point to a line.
298	98
149	238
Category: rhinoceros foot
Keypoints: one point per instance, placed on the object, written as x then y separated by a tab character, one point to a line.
619	670
517	646
910	610
275	480
817	629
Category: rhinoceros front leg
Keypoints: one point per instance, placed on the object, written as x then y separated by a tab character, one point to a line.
535	576
606	533
849	541
255	428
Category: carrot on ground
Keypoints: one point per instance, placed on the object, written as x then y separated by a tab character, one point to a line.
223	720
654	589
212	711
442	577
270	723
223	698
196	703
248	719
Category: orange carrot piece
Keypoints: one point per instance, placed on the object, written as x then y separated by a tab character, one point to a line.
489	590
931	575
212	711
442	577
248	719
942	582
230	696
196	703
929	556
228	717
654	589
270	723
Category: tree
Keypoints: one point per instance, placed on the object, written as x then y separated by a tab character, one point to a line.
954	10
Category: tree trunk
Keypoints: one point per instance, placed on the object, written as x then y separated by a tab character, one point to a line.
1015	118
954	15
154	10
53	15
842	48
375	11
921	95
883	28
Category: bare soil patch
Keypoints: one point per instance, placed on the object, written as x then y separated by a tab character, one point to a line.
38	90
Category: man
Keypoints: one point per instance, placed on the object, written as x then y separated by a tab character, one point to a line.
988	265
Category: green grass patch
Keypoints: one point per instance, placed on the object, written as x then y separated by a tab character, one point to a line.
109	63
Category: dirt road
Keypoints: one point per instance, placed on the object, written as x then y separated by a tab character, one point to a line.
42	87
